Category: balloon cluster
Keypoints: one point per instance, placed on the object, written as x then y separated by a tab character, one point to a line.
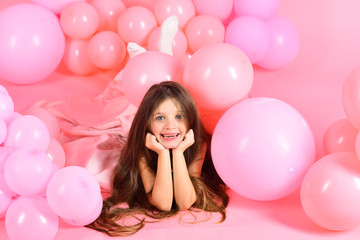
33	191
330	192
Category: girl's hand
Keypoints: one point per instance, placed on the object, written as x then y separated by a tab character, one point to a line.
186	142
152	143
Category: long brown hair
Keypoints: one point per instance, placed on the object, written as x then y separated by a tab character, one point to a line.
128	198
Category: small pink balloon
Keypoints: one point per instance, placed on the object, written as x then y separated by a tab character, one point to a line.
262	148
183	9
284	43
27	171
204	30
27	131
218	76
179	44
56	153
351	97
339	137
146	69
257	8
106	50
135	24
32	43
31	218
79	20
4	154
251	35
47	118
6	105
220	9
330	191
73	192
57	6
109	11
76	57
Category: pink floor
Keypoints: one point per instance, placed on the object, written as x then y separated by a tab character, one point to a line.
330	50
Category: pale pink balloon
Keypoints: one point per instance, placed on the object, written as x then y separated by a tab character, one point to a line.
135	24
251	35
31	218
204	30
4	154
6	195
27	131
73	192
257	8
55	5
330	192
340	136
351	97
220	9
179	44
106	50
79	20
76	57
262	148
6	106
56	153
3	131
47	118
32	43
109	11
146	69
27	171
149	4
284	43
183	9
218	76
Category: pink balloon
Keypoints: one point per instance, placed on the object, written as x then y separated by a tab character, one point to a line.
284	43
47	118
220	9
28	131
218	76
31	218
27	171
31	44
183	9
204	30
76	57
56	153
340	136
13	116
135	24
330	192
109	11
6	105
3	130
57	6
73	192
351	97
7	196
251	35
146	69
107	50
262	148
179	44
257	8
79	20
4	154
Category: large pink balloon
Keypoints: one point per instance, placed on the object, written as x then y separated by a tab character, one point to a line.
31	218
109	11
31	45
351	97
257	8
218	76
27	171
262	148
73	192
28	131
220	9
284	43
135	24
204	30
55	5
146	69
183	9
340	136
330	192
251	35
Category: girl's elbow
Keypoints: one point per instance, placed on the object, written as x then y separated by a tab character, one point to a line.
186	205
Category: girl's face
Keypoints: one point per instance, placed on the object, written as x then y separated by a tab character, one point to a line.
168	124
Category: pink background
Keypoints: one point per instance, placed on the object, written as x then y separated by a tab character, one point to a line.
312	83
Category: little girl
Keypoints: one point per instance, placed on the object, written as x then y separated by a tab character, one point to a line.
165	165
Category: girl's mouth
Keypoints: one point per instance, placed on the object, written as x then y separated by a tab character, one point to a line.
170	136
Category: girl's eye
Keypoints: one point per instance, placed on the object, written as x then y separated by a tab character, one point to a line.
178	116
159	118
